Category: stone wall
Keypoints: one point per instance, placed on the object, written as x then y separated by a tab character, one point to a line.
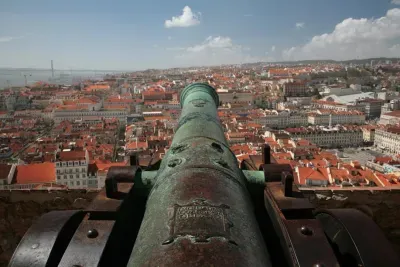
18	209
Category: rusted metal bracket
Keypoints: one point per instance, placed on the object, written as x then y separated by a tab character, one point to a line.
44	243
357	239
143	180
115	175
88	243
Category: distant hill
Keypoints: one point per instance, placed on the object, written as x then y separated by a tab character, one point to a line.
322	61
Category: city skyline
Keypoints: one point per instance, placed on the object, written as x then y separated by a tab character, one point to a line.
133	36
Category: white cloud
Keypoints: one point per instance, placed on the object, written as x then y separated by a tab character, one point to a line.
4	39
187	19
212	42
395	49
175	48
300	25
215	51
273	48
353	38
396	2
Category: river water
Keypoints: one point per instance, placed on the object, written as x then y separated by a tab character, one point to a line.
16	77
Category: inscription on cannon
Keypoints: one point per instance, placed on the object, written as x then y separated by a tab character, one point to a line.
199	103
200	220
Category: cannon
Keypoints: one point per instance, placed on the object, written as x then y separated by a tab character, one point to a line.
198	207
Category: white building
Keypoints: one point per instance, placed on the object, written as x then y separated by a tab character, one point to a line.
349	98
340	91
390	117
72	169
388	139
29	112
305	100
235	97
64	95
281	120
336	117
172	104
330	137
90	103
75	114
47	114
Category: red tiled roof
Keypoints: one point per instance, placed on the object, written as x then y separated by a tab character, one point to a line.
105	166
86	101
381	180
395	113
383	159
134	145
156	118
97	87
309	173
72	155
282	155
36	173
339	173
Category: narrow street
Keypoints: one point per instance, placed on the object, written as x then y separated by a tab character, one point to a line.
15	156
118	136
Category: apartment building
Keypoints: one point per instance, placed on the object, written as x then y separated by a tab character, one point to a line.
72	169
295	89
77	113
369	134
392	106
281	120
390	117
235	97
283	73
331	105
336	117
373	107
120	102
388	139
300	100
329	137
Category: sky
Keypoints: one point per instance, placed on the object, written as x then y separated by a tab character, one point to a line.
136	35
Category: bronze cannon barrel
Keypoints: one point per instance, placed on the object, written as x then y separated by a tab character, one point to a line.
199	211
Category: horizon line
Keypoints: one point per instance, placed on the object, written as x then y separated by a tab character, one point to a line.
203	66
